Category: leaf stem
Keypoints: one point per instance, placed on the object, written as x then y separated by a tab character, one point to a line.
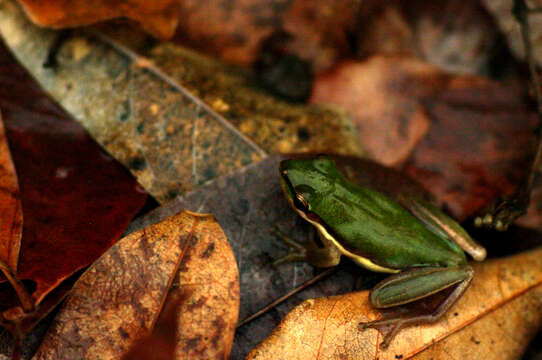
25	298
287	295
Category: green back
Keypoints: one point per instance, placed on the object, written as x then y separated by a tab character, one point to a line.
368	223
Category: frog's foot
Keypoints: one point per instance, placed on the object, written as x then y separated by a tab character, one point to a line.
310	253
411	285
390	325
504	212
387	328
296	251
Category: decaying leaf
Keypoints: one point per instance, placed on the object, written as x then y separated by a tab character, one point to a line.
454	130
383	96
158	17
167	137
118	299
207	319
467	158
326	328
11	215
318	29
276	125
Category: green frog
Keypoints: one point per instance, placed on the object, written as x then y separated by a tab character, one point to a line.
421	247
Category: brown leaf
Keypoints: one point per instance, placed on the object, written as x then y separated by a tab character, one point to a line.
457	36
118	299
318	28
326	328
455	129
159	17
383	96
467	158
504	334
11	215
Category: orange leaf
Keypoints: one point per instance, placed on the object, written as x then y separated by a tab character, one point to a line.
326	328
159	17
11	215
117	301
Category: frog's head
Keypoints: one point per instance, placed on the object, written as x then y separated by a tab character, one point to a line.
303	180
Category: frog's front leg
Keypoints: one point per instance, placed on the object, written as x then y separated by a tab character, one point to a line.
326	256
414	284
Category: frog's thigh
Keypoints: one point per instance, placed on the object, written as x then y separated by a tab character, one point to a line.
414	284
443	225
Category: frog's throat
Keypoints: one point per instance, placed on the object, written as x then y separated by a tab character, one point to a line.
360	260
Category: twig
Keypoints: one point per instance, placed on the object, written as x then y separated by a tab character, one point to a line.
287	295
507	210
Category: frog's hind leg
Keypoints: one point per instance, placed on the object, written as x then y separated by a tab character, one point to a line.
443	225
326	256
412	285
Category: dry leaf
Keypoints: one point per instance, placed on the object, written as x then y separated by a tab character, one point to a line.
455	35
326	328
159	17
467	159
73	211
383	96
11	215
503	334
167	137
118	299
318	29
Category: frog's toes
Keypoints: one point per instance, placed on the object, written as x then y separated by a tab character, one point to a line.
292	256
503	213
388	328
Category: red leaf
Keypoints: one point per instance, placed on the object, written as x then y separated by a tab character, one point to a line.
76	200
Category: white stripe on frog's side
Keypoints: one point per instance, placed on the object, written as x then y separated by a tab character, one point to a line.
366	263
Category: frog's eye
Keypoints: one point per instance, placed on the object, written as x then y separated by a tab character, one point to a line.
301	203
